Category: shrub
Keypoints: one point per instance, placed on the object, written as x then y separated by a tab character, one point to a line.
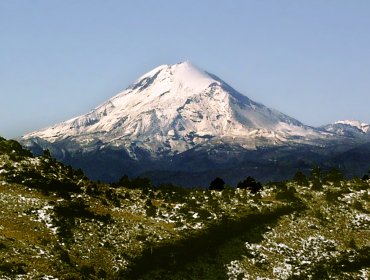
334	176
251	184
287	194
217	184
300	179
316	185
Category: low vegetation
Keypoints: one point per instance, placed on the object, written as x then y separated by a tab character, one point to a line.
57	224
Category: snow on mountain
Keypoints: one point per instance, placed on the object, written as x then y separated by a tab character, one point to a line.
348	128
173	108
360	125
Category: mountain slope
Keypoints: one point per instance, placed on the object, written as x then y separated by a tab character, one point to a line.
172	109
348	128
181	118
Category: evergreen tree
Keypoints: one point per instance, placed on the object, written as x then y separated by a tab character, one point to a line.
334	176
251	184
366	177
315	177
300	179
124	181
316	173
217	184
46	153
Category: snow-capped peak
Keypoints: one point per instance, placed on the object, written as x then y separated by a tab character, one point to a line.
189	74
173	108
182	74
357	124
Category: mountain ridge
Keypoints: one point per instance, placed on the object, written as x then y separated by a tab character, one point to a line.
185	106
349	128
176	116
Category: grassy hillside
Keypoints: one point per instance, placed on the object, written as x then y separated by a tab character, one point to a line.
57	224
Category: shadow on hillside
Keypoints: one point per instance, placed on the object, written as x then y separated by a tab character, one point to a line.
204	254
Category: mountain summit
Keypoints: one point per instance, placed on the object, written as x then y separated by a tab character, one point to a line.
171	109
181	124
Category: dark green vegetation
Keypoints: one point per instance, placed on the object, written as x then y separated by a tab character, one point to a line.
199	166
57	224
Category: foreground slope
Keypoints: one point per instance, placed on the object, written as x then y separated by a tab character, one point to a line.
56	224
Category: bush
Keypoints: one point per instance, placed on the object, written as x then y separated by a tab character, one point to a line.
251	184
287	194
316	174
300	179
334	176
66	212
151	211
332	196
87	270
136	183
316	185
217	184
12	268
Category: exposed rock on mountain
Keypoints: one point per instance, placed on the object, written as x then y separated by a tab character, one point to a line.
181	118
348	128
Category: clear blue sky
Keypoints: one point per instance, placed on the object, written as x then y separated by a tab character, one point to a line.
60	59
